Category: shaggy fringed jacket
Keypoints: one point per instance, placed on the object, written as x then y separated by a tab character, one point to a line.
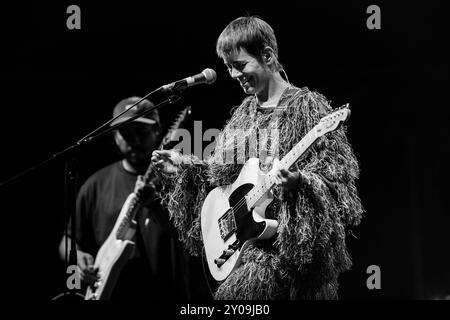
304	259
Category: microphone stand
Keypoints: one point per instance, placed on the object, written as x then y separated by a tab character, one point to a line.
71	167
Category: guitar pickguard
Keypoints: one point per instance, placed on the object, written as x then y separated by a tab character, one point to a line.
247	227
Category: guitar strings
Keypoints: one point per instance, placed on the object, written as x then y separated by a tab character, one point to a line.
241	202
294	154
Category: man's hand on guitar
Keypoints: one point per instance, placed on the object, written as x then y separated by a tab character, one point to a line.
86	264
166	161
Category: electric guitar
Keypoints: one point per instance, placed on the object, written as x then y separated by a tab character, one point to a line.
119	246
233	216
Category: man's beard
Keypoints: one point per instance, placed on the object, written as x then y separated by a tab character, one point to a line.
138	158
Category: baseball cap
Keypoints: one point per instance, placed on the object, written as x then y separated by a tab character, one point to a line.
149	118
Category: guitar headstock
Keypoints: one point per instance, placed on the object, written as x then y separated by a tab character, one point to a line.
332	121
182	116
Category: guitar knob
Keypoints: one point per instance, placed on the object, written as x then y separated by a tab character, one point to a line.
219	262
228	252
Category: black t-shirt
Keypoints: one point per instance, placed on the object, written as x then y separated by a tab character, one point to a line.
158	259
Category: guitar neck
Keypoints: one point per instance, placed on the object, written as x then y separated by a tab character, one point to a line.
288	160
168	138
148	173
136	201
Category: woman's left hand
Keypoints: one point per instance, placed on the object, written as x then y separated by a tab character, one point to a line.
289	179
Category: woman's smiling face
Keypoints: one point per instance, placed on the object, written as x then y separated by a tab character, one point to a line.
252	74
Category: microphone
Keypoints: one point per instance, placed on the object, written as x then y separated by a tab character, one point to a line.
206	76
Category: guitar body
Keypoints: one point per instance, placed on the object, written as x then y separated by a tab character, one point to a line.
229	226
112	256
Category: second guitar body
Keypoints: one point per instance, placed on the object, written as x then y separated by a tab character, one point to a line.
119	246
113	254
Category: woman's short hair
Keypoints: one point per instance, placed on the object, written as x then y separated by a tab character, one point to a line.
250	33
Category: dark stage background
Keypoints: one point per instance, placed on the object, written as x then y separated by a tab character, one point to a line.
59	84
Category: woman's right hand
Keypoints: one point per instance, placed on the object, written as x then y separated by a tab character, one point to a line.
166	161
